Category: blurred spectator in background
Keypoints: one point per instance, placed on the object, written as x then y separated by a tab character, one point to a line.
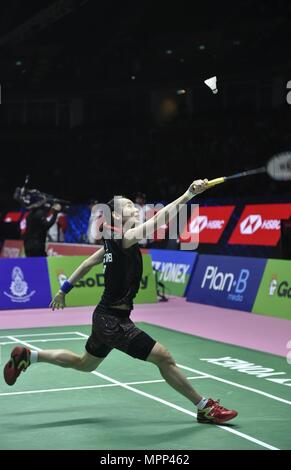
56	233
23	224
37	226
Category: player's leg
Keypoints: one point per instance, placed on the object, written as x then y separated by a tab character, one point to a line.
21	358
65	358
140	345
209	410
172	374
95	352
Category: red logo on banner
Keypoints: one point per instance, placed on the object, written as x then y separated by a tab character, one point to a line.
207	223
260	224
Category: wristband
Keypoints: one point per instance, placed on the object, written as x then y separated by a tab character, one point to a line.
66	287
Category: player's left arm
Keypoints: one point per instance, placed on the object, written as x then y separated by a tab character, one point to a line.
59	299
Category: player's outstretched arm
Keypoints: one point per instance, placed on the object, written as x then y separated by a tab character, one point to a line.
59	299
164	215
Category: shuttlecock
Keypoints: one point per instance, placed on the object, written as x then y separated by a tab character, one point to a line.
211	82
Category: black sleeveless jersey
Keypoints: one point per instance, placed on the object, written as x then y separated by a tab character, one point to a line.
122	273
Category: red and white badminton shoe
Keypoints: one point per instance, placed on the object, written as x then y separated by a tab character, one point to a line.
213	412
18	362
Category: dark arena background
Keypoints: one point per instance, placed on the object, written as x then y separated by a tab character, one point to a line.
109	98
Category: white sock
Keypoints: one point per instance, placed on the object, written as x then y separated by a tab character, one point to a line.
202	403
33	356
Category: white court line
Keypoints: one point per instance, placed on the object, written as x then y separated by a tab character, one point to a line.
43	334
44	340
219	379
84	387
160	400
179	408
23	342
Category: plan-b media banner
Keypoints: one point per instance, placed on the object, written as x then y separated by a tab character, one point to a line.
173	269
226	281
24	283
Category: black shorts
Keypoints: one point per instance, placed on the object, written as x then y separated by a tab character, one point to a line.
112	328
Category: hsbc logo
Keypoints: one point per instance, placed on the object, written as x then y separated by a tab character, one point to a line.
207	225
202	222
254	222
198	224
250	224
260	224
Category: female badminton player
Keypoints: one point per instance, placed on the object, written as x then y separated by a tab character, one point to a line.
111	325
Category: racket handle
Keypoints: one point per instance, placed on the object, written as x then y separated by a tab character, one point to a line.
216	181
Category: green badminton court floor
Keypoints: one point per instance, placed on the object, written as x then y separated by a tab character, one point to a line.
125	404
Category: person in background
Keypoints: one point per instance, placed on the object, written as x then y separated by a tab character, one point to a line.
56	232
23	224
37	226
